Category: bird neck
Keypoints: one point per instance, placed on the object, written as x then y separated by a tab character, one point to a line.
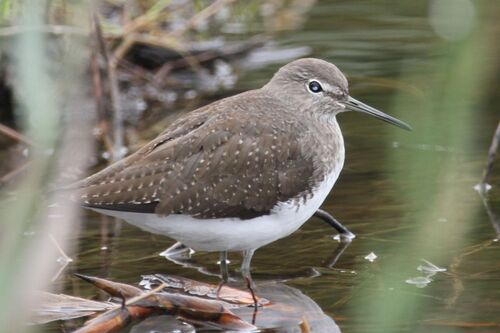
324	144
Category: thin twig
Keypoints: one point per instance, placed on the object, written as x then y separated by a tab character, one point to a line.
146	294
143	21
118	134
122	50
13	134
12	174
97	80
106	140
114	92
58	247
201	16
67	259
136	298
99	48
59	271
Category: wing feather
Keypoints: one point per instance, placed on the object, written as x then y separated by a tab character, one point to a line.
213	166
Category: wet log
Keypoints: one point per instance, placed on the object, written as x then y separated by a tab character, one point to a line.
193	309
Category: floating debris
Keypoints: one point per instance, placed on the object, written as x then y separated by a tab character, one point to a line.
146	283
429	268
371	257
419	281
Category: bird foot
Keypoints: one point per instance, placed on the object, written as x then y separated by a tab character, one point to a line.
345	237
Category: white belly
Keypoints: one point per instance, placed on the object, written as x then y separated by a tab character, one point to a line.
232	234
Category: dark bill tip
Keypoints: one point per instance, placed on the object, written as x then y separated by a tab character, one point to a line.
355	105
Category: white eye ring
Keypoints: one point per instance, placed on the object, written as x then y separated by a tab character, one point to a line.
314	86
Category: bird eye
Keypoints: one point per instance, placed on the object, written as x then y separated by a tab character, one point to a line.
315	87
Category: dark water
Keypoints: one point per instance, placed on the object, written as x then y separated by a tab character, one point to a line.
387	50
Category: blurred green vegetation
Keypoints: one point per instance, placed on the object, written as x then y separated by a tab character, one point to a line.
26	253
454	88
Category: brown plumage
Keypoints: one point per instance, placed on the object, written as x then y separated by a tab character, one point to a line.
238	157
228	159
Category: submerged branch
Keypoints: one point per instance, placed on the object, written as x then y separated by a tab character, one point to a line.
15	135
142	304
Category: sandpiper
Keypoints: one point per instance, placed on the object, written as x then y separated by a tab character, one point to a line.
241	172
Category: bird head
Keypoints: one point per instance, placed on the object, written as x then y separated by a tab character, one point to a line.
318	86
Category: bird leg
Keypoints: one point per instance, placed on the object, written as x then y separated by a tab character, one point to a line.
495	143
223	271
345	234
245	271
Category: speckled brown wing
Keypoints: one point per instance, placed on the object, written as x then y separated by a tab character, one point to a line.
220	166
179	128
